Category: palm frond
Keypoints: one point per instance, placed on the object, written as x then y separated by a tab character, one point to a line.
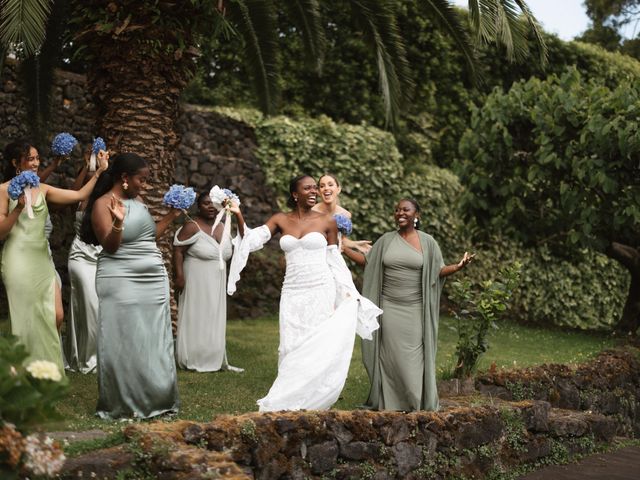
256	22
536	30
381	28
506	22
307	17
23	22
37	72
446	15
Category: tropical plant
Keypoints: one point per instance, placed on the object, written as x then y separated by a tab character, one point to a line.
555	163
477	310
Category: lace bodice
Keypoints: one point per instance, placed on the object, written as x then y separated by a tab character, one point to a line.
306	262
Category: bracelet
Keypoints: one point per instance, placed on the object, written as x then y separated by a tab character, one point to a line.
117	229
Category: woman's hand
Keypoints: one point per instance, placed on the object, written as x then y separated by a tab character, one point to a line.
103	161
116	209
362	246
233	207
466	260
22	201
178	283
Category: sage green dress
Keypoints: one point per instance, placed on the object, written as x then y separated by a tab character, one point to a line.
400	360
29	278
136	368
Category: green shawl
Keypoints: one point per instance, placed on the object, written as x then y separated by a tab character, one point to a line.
431	289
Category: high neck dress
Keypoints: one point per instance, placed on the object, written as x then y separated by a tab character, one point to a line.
29	278
82	324
136	367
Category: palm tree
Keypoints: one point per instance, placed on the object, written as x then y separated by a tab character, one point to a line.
140	54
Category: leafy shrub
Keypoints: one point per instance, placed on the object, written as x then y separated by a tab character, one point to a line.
479	307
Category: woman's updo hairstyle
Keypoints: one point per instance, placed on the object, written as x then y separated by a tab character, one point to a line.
129	163
293	186
416	205
15	151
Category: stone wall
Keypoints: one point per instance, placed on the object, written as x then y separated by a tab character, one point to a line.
476	436
214	149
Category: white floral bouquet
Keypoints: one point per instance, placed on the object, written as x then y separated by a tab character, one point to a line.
222	198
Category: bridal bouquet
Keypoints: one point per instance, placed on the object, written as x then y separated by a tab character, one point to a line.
344	224
63	144
222	199
98	144
180	197
23	183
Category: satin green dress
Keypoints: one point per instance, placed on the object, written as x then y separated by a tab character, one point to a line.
29	278
136	368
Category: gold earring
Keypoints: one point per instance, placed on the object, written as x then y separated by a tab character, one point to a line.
125	185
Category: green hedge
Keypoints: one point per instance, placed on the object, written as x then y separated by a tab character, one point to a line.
586	292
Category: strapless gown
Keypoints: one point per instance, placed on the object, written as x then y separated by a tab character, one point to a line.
316	338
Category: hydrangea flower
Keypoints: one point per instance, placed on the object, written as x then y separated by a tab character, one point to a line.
44	370
63	144
180	197
219	196
18	183
344	224
98	144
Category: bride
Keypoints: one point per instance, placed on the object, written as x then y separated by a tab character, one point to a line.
320	309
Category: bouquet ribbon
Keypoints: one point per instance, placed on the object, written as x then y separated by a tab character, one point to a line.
27	202
92	162
226	233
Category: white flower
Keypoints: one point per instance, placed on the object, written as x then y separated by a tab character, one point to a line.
44	370
218	196
42	457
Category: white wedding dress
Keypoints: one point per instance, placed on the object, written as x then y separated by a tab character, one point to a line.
320	313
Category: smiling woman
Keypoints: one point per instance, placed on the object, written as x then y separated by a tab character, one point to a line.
404	275
27	269
320	308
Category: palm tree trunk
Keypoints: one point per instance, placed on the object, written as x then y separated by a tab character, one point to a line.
137	99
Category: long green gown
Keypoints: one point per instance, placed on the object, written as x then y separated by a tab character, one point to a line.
136	368
400	360
29	278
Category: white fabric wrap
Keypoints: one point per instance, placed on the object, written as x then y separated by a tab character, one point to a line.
368	312
27	202
253	240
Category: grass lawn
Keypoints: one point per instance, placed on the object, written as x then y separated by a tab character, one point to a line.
252	345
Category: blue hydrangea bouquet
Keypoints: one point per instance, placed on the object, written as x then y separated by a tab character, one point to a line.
98	144
180	197
344	224
63	144
22	184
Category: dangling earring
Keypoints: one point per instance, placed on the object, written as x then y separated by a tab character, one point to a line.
17	171
295	199
125	185
415	223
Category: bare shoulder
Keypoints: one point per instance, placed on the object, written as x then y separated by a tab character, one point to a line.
343	211
188	230
4	187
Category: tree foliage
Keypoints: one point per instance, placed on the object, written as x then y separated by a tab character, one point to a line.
610	19
557	163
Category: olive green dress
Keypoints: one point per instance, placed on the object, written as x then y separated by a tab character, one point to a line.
29	278
400	360
136	368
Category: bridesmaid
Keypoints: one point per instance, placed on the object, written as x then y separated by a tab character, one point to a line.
27	270
329	189
202	307
82	325
404	275
136	367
